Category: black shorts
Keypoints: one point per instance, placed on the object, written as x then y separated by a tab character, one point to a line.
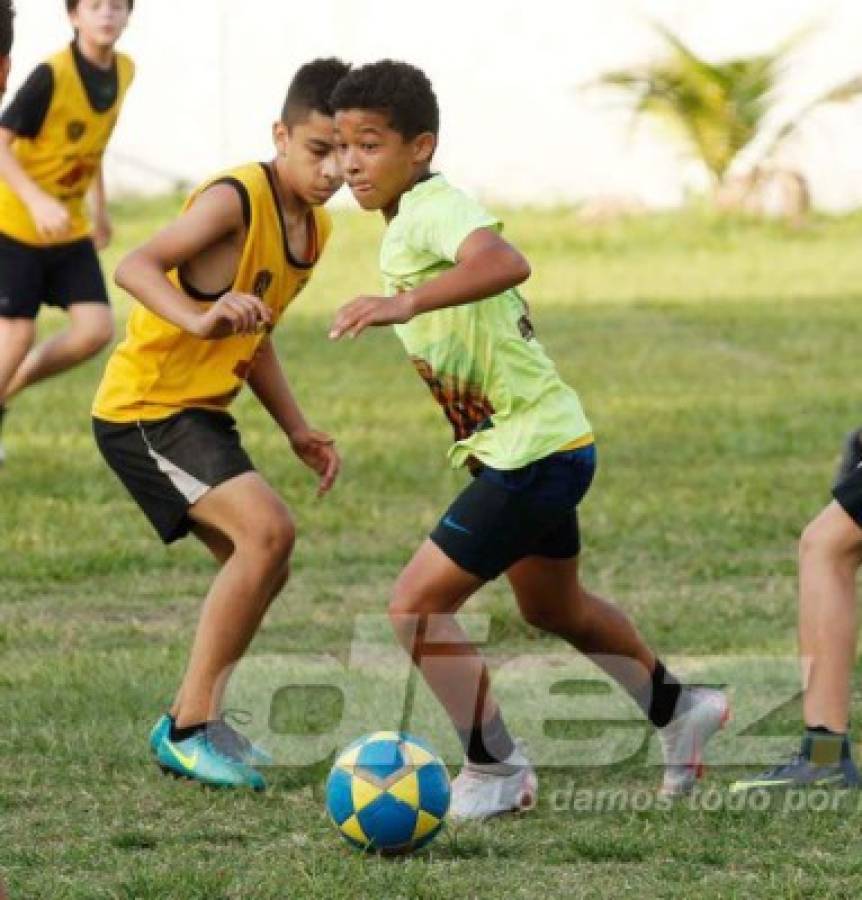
505	516
848	493
59	275
167	465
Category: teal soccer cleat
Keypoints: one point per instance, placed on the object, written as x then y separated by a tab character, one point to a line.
226	736
161	729
250	753
207	758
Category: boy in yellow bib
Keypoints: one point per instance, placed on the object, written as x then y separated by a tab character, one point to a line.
211	288
52	139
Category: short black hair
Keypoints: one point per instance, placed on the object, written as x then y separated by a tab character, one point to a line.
7	13
311	88
398	89
72	5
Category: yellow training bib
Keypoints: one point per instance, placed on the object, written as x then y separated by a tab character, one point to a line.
159	369
65	156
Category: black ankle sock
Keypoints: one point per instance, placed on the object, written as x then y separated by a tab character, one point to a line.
182	734
488	743
825	747
822	729
664	696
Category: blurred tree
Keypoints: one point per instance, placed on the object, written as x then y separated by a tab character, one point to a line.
720	108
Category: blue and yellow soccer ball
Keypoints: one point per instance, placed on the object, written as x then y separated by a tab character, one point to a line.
388	792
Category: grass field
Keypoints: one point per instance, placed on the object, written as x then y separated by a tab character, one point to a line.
716	360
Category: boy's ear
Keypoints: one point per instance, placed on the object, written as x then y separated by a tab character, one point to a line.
424	146
280	136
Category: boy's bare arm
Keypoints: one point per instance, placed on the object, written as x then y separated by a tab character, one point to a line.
102	230
49	215
486	266
214	216
314	448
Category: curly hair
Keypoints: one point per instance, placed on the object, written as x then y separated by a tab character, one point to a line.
398	89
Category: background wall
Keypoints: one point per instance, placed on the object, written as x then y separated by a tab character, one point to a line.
212	74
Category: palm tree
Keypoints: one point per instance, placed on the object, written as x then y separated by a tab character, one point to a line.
718	107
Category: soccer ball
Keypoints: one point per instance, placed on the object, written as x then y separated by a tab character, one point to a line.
388	792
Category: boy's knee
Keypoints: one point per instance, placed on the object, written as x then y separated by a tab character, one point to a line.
832	536
406	605
403	602
97	336
566	617
88	339
810	541
275	537
555	622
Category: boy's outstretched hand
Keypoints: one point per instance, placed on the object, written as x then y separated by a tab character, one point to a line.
317	450
354	317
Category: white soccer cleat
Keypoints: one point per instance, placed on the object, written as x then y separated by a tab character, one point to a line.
683	739
482	791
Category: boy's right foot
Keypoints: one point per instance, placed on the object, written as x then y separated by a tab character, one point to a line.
683	739
482	791
203	757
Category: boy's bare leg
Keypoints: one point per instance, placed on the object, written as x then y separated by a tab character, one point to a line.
222	549
830	553
16	339
428	593
257	523
551	597
91	327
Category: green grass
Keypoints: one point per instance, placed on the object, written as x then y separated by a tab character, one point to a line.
717	361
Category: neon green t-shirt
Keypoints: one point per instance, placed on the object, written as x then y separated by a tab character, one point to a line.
499	389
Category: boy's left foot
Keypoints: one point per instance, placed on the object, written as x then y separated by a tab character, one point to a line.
228	736
683	739
224	735
161	729
482	791
824	761
203	758
801	773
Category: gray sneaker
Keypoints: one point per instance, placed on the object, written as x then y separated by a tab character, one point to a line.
683	739
821	763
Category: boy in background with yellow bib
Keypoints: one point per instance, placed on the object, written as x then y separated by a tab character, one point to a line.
52	139
211	287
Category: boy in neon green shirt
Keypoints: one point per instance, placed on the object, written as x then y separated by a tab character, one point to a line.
451	285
